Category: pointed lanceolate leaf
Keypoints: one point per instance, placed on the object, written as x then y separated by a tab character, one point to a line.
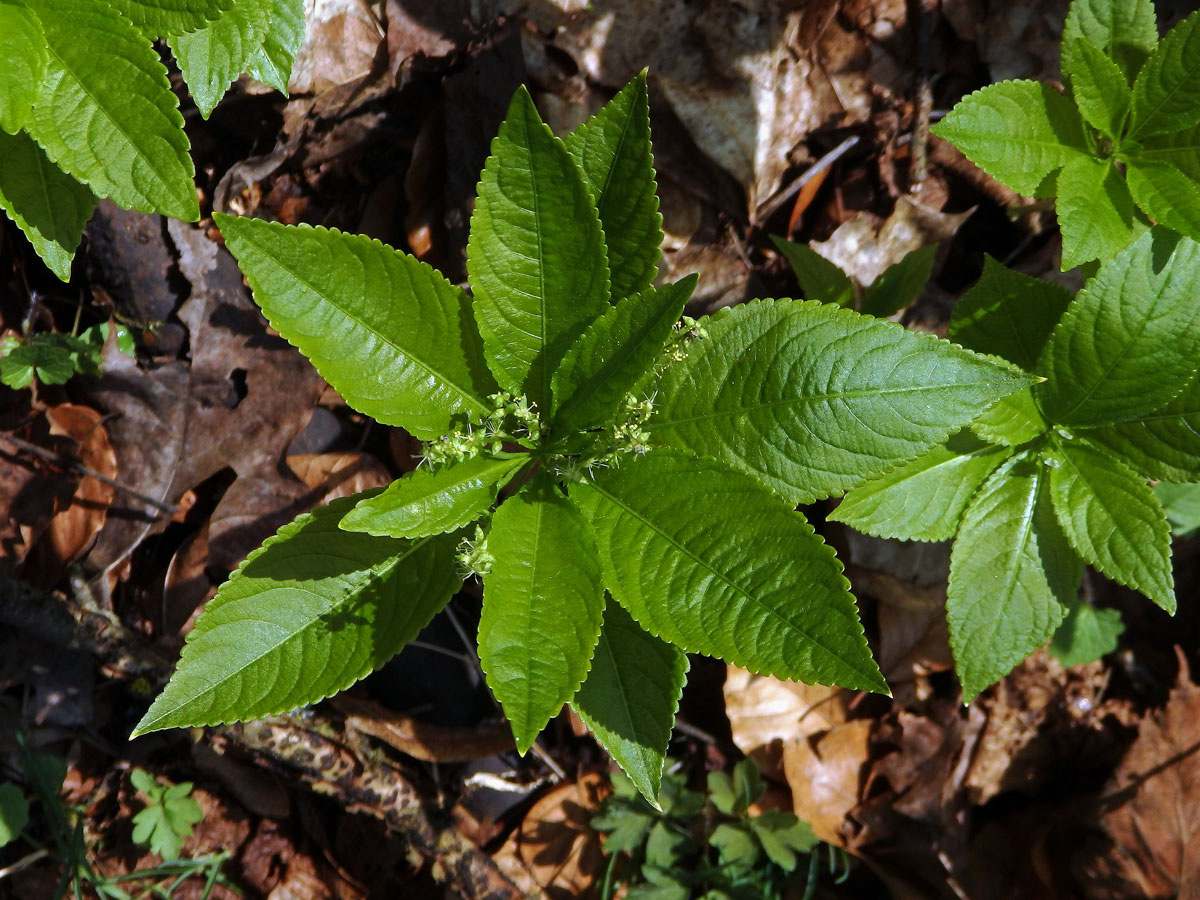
901	284
1163	444
1166	97
818	278
1008	314
536	254
922	500
613	150
1124	29
543	605
1012	575
1086	634
434	502
389	333
159	18
47	204
306	615
813	399
1095	212
614	354
1099	86
271	63
213	56
630	697
23	60
1129	341
1019	132
1112	519
768	595
105	112
1165	194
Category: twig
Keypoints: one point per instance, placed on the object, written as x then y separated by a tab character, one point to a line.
768	208
922	19
68	462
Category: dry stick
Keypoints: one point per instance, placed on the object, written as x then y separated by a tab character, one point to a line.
768	208
68	462
923	12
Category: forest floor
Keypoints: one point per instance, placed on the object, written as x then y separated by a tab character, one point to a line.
126	499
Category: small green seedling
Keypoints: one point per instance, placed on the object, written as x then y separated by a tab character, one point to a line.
14	812
56	358
168	817
1121	144
625	483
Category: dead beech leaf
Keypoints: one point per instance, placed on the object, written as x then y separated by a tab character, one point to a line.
1153	800
555	853
336	475
425	740
825	773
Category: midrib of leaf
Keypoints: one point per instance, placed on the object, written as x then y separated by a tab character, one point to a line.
467	395
608	176
1017	333
702	564
353	587
530	643
107	115
625	706
1149	117
541	272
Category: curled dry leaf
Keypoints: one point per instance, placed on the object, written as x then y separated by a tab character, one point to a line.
424	740
336	475
825	772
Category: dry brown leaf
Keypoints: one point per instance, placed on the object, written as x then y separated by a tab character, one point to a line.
424	740
336	475
825	772
555	853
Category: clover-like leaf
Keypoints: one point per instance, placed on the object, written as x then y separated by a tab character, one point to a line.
813	399
23	59
630	697
536	255
168	817
768	595
391	334
1124	29
1112	519
309	613
1166	96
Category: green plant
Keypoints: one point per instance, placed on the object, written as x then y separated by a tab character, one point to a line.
168	816
714	851
1122	143
55	358
658	463
86	109
1055	476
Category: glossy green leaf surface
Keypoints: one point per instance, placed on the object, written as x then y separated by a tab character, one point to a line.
46	203
1181	149
1166	194
1019	132
433	502
1129	341
922	500
105	112
1181	502
1124	29
614	353
1166	96
271	62
391	334
630	697
1098	85
1164	444
1095	211
768	595
536	255
213	56
613	151
309	613
1012	575
1086	634
1112	519
1011	421
23	61
819	279
543	605
159	18
813	399
901	284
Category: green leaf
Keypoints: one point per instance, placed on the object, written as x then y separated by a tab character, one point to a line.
922	500
1129	341
736	847
159	18
1112	519
271	62
1181	149
536	254
615	352
1012	421
1019	132
901	284
51	363
14	812
212	57
388	332
1095	212
1124	29
768	595
543	605
1181	502
1008	314
1165	194
612	149
105	112
433	502
23	61
1098	85
1164	444
310	612
168	817
1086	634
46	203
813	399
1166	96
1012	575
783	836
819	279
630	698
